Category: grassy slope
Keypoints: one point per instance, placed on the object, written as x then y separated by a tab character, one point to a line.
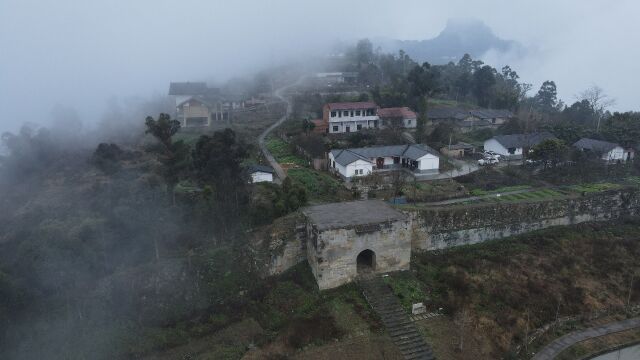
503	283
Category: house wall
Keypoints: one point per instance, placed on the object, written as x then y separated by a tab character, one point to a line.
493	145
350	170
615	154
456	153
260	176
194	109
428	162
410	123
332	253
353	126
366	121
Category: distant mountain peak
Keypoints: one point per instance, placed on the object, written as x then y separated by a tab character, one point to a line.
460	36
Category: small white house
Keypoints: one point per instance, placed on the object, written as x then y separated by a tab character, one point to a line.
513	145
260	173
607	151
364	161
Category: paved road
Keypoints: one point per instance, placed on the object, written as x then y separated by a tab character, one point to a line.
554	349
267	154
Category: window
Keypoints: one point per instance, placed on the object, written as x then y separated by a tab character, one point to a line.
361	171
357	112
335	128
351	113
346	113
339	113
347	129
359	127
333	114
334	164
408	122
511	151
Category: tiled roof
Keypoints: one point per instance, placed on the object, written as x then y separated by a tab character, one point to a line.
413	152
352	105
595	145
397	112
447	113
523	140
491	113
259	168
345	157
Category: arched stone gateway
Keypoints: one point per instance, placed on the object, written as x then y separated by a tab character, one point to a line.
366	261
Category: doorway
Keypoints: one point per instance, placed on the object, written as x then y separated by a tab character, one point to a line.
366	261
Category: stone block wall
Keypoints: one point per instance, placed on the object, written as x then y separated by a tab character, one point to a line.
441	228
332	253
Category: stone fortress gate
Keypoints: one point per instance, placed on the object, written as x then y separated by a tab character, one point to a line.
350	238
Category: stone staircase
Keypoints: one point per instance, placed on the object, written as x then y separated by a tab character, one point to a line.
399	326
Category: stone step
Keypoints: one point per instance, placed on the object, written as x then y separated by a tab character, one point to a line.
399	325
420	356
408	339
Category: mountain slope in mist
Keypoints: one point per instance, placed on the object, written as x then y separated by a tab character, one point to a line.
460	36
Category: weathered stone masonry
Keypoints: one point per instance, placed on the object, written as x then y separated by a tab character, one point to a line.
338	233
331	249
440	228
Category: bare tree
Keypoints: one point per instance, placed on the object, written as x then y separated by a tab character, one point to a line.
598	100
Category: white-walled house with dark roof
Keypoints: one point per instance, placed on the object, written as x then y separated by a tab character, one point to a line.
260	173
512	146
607	151
356	162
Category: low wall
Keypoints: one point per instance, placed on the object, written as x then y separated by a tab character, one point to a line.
444	227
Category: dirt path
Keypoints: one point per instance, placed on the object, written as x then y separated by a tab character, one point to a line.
554	349
267	154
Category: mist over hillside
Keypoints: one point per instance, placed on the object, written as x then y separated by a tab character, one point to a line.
459	37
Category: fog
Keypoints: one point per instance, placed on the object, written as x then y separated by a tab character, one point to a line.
77	54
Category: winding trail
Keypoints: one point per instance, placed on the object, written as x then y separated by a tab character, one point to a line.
554	349
267	154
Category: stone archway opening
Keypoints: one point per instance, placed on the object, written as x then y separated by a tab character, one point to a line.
366	262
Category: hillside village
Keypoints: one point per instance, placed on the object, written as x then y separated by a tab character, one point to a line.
371	206
364	174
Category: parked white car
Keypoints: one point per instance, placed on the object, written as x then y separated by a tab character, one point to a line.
491	154
487	161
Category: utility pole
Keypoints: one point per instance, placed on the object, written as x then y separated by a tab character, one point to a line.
630	290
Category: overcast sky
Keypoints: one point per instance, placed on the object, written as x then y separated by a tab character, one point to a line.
79	53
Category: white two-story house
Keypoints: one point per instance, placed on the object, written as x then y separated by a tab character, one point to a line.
351	116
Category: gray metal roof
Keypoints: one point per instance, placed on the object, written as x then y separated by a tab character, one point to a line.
259	168
353	213
491	113
413	152
523	140
595	145
345	157
447	113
